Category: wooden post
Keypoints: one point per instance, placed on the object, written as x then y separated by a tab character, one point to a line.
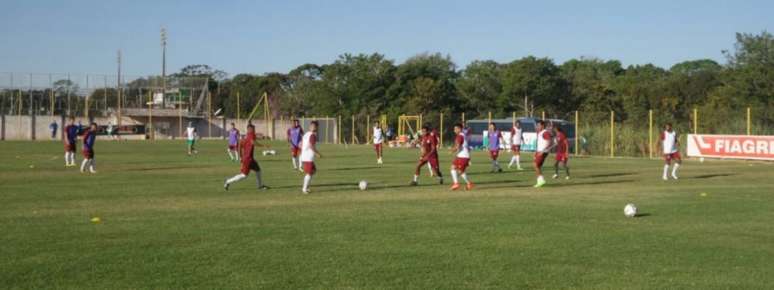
577	131
151	135
489	118
544	115
353	129
368	128
238	113
326	129
695	121
513	119
180	112
612	133
440	129
338	131
749	122
463	119
650	133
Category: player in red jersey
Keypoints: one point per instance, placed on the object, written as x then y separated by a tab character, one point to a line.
308	153
544	145
562	152
429	155
461	161
70	139
248	161
670	144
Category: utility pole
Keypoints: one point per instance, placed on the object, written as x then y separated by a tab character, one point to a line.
118	93
163	67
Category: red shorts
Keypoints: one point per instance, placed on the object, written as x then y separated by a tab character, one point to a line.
562	157
494	154
232	147
249	164
309	168
88	154
378	147
432	159
460	164
515	148
70	147
668	157
540	157
294	151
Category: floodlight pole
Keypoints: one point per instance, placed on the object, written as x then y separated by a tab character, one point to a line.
163	66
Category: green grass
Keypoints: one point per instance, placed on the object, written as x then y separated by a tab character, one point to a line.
167	223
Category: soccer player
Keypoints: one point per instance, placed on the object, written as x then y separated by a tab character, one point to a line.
233	143
495	139
544	145
429	155
248	161
517	138
89	136
70	139
562	152
670	145
295	134
191	134
308	152
461	159
378	140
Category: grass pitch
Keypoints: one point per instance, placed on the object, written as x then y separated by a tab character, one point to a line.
167	223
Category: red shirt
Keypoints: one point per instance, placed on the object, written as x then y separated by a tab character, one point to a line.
247	147
429	144
561	143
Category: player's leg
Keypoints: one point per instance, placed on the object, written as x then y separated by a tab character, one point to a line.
434	165
538	163
258	181
566	168
310	170
667	162
463	166
455	179
495	162
243	172
678	161
421	163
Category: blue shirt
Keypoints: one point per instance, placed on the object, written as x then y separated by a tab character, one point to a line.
88	139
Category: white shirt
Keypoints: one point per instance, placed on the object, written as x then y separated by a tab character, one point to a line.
516	138
669	142
377	135
190	132
463	151
307	143
543	144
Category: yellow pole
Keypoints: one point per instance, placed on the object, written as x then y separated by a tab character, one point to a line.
612	133
239	121
440	129
267	115
544	115
695	121
577	131
150	115
490	117
463	119
86	107
650	133
353	129
368	129
749	122
338	131
326	129
420	122
513	119
180	113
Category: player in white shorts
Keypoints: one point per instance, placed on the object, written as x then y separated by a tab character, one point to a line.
378	140
670	147
517	138
308	152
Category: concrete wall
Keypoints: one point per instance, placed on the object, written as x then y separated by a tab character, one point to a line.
13	127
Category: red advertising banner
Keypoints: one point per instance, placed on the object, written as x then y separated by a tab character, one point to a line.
731	146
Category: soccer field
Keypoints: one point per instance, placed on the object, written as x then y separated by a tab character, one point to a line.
168	223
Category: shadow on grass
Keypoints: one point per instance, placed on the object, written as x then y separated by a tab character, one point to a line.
705	176
644	214
611	174
353	168
590	183
158	168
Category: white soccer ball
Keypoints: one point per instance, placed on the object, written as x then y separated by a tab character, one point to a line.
630	210
363	185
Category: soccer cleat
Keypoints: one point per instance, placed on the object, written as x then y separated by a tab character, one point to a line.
440	180
540	183
93	171
665	178
469	186
520	169
499	170
675	177
306	191
264	187
567	178
555	176
379	161
413	183
455	186
225	185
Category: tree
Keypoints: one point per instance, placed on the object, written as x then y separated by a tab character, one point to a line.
479	87
538	81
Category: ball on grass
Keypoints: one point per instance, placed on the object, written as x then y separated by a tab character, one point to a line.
96	220
363	185
630	210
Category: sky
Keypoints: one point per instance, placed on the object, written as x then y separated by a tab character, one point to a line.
83	36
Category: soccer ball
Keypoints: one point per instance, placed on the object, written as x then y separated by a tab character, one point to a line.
363	185
269	152
630	210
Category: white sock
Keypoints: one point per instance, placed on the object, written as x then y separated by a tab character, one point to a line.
258	180
430	168
416	177
540	178
464	177
666	170
236	178
674	170
496	164
229	154
513	160
295	162
84	164
307	182
518	161
67	158
454	176
92	165
300	164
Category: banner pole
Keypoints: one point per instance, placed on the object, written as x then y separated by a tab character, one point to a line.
749	122
650	134
612	133
695	121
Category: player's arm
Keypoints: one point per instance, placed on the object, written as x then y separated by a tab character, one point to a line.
502	141
314	145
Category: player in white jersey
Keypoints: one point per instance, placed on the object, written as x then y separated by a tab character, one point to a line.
670	147
308	152
378	140
191	135
517	138
461	161
544	145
